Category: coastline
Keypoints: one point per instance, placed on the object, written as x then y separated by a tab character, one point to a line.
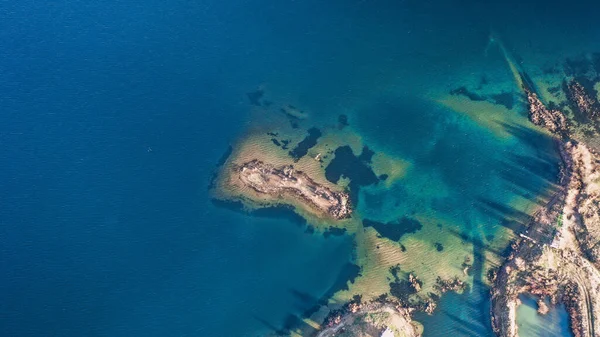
550	260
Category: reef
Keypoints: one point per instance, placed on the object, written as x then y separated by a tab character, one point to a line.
585	103
292	186
553	120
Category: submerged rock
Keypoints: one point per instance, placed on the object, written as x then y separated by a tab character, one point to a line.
539	114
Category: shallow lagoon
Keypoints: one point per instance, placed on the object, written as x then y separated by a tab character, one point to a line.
531	324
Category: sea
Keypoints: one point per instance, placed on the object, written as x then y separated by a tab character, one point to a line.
114	114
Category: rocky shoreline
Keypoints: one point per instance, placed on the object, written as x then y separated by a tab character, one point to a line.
554	257
358	319
349	319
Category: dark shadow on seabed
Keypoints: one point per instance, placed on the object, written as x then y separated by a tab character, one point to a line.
309	304
469	312
478	309
506	216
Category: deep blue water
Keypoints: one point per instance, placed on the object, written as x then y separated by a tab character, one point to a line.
113	115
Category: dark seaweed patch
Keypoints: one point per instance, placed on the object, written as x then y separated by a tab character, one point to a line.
394	230
232	205
383	177
483	81
346	164
225	156
366	155
505	98
334	231
349	272
222	160
467	93
309	141
577	67
401	289
280	212
255	97
342	121
439	247
273	212
555	91
282	143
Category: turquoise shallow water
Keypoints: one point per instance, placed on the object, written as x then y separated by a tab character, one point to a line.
114	115
553	324
466	178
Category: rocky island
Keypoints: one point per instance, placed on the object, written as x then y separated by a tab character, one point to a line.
293	186
259	174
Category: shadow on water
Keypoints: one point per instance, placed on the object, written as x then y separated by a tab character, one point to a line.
469	313
479	243
309	304
523	174
291	322
269	326
531	176
506	216
542	143
545	147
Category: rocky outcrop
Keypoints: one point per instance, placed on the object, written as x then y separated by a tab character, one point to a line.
357	319
454	284
586	104
292	185
539	114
